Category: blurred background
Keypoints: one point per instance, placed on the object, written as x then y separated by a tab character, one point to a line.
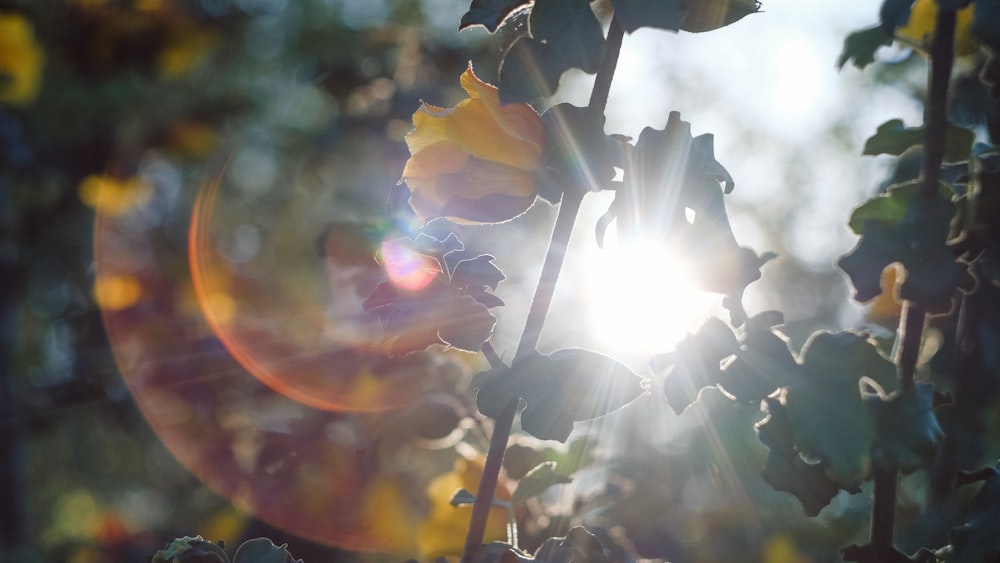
192	193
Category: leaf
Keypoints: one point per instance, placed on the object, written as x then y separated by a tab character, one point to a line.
564	34
562	388
537	481
463	497
190	549
860	46
979	538
894	13
696	363
633	14
763	363
477	272
909	435
892	137
570	132
263	550
579	546
708	15
917	240
468	326
829	418
490	13
986	23
786	470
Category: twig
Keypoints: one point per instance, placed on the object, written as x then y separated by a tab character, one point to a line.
911	322
537	312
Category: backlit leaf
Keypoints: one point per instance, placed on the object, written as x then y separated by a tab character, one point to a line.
490	13
860	46
564	34
562	388
917	239
537	481
633	14
263	550
909	434
892	137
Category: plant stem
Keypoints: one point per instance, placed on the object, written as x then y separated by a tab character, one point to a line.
538	310
913	317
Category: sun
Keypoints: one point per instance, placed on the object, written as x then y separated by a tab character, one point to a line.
641	298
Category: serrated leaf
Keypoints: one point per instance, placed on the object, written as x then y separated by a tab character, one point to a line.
860	46
892	137
562	388
263	550
537	481
564	34
917	240
633	14
490	13
909	434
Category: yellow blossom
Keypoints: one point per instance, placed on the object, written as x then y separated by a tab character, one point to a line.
21	60
475	162
443	533
918	30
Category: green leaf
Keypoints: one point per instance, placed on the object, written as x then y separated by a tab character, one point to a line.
895	13
462	497
763	363
979	538
785	469
917	240
986	23
562	388
564	34
571	131
892	137
829	418
696	363
191	549
909	434
888	208
860	46
490	13
579	546
537	481
263	550
667	14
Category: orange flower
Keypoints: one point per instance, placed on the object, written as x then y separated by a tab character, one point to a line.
476	162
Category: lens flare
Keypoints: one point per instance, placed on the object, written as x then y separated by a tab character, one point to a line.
247	352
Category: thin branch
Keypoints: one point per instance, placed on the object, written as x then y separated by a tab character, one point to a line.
544	291
913	318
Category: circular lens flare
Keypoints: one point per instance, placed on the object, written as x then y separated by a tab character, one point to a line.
248	354
642	298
